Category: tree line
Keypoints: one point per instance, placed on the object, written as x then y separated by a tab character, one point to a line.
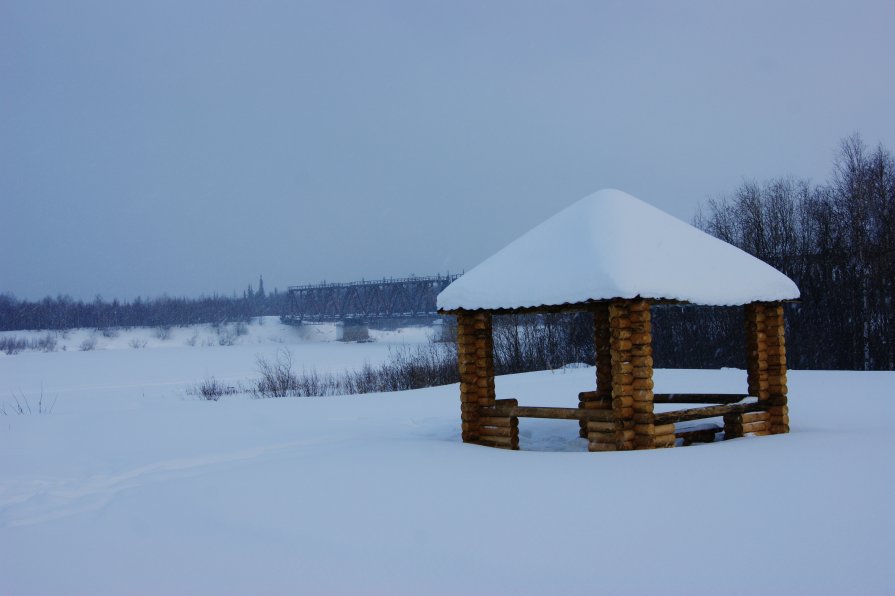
65	312
836	240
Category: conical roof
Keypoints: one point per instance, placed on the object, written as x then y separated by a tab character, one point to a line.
613	245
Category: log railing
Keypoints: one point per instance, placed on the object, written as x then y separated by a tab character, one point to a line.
699	398
514	411
509	408
501	419
681	398
707	412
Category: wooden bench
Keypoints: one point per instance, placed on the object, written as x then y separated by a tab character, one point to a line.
698	433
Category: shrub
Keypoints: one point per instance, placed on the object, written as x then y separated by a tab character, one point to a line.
137	343
88	344
21	406
521	343
277	378
46	343
524	343
227	334
211	389
163	332
12	345
407	368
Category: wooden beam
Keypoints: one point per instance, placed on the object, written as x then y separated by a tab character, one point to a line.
553	413
681	398
698	398
707	412
585	306
577	307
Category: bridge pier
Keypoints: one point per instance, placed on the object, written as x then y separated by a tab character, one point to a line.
444	329
352	330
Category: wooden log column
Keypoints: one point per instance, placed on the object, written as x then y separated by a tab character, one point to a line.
766	373
756	352
647	435
615	433
630	345
475	358
778	408
603	357
733	426
466	360
756	367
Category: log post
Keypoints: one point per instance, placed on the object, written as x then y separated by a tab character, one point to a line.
776	349
603	359
630	347
756	352
766	369
733	426
619	435
647	435
475	358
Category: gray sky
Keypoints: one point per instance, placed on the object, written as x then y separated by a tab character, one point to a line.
185	147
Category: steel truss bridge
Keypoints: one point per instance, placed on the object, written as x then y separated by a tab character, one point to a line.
407	298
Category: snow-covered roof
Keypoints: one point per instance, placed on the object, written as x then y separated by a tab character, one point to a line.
613	245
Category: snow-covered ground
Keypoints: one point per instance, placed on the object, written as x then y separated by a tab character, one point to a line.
131	486
260	332
115	369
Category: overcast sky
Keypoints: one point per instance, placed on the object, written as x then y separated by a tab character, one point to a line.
187	147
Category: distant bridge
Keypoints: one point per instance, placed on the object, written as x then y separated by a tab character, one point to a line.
361	301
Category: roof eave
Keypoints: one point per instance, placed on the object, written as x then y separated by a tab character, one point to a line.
590	304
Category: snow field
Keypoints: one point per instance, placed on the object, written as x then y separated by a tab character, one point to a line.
129	486
260	331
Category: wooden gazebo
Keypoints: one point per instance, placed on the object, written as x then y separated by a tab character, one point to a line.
616	256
